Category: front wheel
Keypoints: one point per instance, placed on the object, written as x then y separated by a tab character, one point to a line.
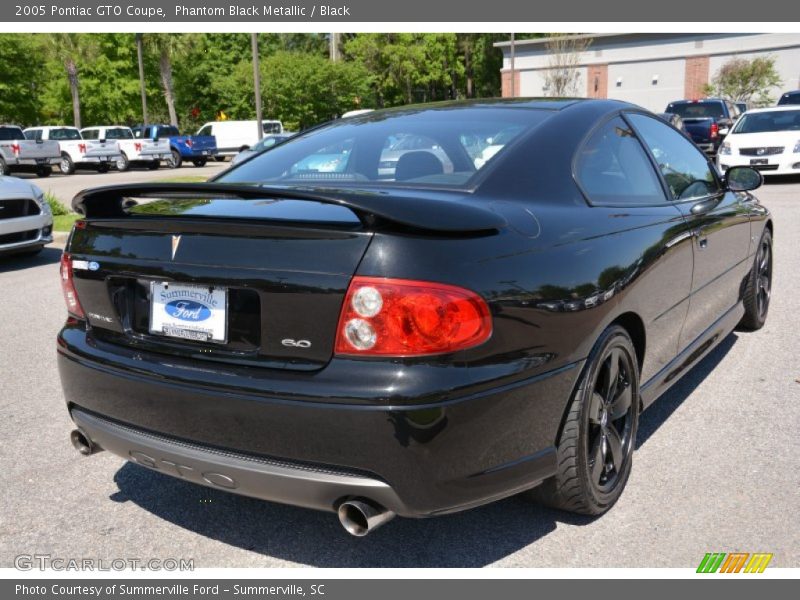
123	164
758	289
595	450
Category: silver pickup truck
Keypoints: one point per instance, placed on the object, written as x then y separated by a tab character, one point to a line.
20	154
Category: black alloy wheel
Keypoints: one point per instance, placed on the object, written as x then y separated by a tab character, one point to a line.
758	288
595	449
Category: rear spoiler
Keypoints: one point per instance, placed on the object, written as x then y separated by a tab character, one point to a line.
432	214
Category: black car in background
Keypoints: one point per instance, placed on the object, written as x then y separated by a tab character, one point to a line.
307	331
707	121
790	98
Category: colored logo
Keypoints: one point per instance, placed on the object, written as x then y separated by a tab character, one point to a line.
188	310
734	562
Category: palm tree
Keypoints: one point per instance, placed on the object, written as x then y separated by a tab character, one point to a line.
168	46
72	50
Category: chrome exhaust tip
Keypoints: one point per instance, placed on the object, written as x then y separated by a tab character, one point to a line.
83	443
360	517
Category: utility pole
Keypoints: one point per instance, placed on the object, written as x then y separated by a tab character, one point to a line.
513	74
333	46
139	51
257	85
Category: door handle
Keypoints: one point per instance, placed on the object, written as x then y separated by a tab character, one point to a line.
702	241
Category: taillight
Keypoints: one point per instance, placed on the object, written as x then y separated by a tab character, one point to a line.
714	130
189	143
15	149
67	285
398	317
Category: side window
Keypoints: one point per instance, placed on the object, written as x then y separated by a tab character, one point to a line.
685	168
205	130
613	168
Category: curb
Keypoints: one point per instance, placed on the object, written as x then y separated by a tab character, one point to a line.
60	237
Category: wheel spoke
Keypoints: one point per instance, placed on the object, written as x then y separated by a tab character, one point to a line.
764	262
612	375
615	446
763	283
595	408
598	457
619	407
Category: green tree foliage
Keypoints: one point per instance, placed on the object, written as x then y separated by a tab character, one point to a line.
746	80
22	79
93	78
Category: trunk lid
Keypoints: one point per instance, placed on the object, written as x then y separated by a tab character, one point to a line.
283	257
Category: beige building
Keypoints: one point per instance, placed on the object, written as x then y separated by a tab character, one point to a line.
650	69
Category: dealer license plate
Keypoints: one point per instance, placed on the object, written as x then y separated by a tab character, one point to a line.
190	312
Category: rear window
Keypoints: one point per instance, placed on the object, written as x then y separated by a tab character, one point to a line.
168	132
65	133
766	122
431	147
790	99
272	127
11	133
118	133
698	110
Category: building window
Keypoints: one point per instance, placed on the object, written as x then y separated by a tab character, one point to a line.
619	81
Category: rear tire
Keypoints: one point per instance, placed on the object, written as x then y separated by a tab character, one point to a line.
595	450
44	171
199	162
176	160
153	165
219	158
66	165
758	288
4	170
103	167
123	164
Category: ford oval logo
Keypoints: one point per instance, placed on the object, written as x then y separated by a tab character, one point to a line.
188	310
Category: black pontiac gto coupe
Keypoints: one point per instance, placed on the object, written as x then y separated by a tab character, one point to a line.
486	313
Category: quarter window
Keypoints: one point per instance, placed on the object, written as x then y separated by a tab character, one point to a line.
613	168
685	168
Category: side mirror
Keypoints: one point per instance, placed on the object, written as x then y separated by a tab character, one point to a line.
743	179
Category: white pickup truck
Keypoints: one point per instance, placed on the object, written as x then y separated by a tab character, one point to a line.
132	151
20	154
77	153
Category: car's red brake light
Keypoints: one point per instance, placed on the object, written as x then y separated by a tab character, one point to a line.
70	295
398	317
714	130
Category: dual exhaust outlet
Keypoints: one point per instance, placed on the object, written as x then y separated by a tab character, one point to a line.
358	516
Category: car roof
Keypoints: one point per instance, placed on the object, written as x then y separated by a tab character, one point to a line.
782	108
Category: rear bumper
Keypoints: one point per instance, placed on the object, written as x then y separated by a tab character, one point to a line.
32	163
104	158
488	441
257	477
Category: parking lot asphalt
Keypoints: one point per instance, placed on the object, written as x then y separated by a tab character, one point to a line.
716	468
64	187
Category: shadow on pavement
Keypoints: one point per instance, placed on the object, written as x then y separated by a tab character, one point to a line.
473	538
17	262
661	409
